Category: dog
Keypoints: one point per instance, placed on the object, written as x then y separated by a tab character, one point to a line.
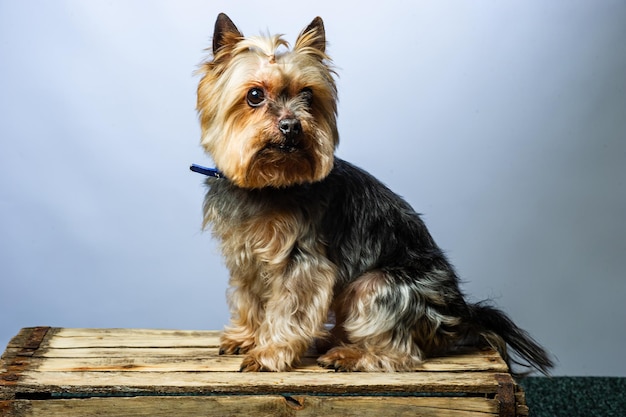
309	238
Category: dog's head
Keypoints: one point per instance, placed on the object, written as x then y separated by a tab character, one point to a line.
267	112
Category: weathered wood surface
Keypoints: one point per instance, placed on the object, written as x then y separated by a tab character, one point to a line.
137	372
263	406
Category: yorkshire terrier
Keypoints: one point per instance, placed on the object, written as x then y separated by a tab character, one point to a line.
308	237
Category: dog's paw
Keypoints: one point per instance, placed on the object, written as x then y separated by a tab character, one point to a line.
234	347
231	350
353	358
342	359
266	360
251	364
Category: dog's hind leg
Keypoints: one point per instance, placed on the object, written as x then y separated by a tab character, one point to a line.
389	324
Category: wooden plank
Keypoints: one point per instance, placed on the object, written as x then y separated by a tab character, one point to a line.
194	359
123	332
125	352
20	339
259	406
520	399
258	383
144	363
506	395
483	361
77	338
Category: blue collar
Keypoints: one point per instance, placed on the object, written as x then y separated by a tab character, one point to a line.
209	172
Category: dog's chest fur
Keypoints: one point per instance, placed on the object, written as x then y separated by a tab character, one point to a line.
349	217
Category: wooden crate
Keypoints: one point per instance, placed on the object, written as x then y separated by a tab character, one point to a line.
56	372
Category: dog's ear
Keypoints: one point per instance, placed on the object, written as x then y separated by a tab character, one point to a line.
313	36
225	33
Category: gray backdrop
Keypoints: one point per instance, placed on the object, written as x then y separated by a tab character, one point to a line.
503	122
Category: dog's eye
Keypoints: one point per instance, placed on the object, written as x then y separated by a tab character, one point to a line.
307	95
255	97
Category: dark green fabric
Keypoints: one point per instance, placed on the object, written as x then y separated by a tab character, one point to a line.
575	396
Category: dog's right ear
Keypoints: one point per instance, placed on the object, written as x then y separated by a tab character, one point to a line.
225	33
312	36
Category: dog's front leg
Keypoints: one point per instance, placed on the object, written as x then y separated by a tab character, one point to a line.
245	297
301	293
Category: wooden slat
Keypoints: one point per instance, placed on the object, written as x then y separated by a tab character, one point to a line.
520	398
124	332
181	359
259	406
77	338
28	336
263	383
125	352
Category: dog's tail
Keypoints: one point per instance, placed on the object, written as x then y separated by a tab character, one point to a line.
498	330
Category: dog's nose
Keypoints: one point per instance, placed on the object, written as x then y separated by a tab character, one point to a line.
289	127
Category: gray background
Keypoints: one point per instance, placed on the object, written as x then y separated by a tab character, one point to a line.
503	122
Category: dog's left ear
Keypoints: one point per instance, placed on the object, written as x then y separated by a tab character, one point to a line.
225	33
313	36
